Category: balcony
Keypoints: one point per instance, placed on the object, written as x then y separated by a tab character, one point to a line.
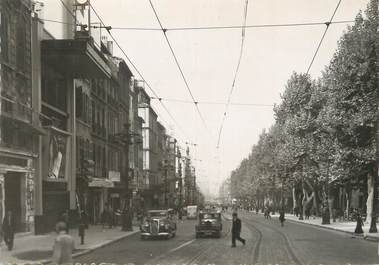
15	111
77	58
19	116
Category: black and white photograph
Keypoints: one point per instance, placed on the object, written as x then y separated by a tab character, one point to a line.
189	132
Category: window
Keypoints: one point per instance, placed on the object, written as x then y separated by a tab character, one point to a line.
79	102
21	45
4	37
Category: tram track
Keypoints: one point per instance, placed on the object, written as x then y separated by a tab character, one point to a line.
288	245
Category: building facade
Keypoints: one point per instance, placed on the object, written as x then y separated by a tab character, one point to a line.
19	119
150	148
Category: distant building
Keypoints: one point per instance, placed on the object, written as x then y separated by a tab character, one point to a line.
150	146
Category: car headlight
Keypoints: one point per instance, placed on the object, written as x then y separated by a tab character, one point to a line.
166	226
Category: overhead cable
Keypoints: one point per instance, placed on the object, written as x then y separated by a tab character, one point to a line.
178	65
129	60
235	73
213	102
210	27
323	36
138	72
233	26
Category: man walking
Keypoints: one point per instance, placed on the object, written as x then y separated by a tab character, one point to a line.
63	246
8	229
281	217
236	231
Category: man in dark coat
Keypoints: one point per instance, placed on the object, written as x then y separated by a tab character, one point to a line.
8	228
236	231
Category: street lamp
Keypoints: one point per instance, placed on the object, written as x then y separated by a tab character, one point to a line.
126	215
373	228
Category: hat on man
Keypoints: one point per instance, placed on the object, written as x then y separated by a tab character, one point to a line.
234	214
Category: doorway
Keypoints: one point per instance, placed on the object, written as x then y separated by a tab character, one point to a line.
12	186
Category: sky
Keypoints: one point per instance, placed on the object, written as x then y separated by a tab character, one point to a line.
209	59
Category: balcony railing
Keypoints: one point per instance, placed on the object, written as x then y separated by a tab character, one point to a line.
15	110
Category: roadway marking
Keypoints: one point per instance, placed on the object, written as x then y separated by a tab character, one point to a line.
181	246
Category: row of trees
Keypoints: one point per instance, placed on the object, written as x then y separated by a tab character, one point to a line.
325	136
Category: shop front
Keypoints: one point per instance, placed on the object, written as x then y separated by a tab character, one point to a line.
99	190
16	190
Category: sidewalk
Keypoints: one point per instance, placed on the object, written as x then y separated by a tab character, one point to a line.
347	227
35	249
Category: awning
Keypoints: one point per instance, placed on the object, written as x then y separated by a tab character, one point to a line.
100	183
77	58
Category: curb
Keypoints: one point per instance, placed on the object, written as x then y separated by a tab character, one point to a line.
86	251
361	236
365	236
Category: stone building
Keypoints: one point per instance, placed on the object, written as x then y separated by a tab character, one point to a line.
19	119
150	145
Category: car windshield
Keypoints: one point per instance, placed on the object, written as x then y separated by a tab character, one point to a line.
158	214
210	216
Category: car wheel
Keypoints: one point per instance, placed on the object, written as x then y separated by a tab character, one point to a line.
197	235
218	235
143	237
173	234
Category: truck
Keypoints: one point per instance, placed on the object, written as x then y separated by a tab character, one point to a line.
192	212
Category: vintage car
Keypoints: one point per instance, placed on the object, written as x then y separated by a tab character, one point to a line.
210	224
158	223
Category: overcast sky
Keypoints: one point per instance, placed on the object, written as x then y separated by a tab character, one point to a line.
209	59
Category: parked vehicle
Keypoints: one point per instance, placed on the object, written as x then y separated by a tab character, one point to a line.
191	211
210	224
158	223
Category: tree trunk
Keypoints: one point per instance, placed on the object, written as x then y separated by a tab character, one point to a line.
347	205
315	203
330	205
294	199
307	199
370	197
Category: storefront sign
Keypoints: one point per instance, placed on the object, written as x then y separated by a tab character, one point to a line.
114	176
101	183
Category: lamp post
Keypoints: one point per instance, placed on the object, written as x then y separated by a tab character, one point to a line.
373	228
126	215
165	166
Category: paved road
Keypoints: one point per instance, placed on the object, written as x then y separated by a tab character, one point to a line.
267	243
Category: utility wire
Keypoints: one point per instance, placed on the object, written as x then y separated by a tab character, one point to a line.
327	24
139	73
233	26
213	102
129	60
235	74
177	64
209	27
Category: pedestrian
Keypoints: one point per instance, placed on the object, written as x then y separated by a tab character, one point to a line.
103	217
267	213
296	211
358	228
8	229
236	231
281	217
307	213
82	228
64	245
65	218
